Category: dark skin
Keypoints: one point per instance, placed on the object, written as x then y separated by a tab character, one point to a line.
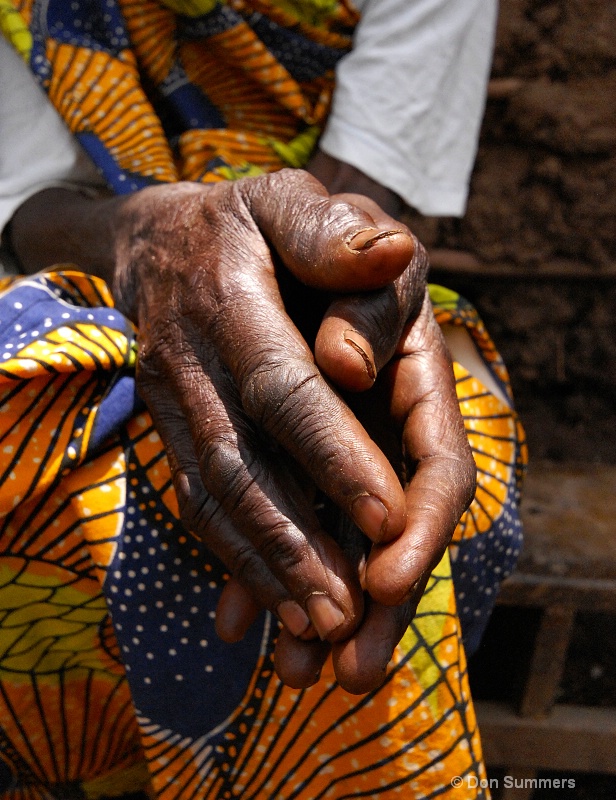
247	411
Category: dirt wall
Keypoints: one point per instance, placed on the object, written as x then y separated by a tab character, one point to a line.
539	237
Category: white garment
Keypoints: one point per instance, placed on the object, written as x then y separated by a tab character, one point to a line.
36	149
410	97
407	108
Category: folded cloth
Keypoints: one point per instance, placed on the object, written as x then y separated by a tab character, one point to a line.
108	655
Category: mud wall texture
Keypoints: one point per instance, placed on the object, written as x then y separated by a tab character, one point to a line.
536	250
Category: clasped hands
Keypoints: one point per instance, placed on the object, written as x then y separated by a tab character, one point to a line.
283	333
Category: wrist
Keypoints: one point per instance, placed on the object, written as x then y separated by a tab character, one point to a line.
156	240
61	225
339	177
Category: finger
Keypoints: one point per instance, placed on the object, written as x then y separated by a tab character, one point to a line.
298	663
327	242
282	390
359	334
442	470
237	609
361	662
248	509
235	612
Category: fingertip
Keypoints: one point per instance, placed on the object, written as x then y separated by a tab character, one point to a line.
396	573
343	243
357	670
361	664
372	258
298	663
235	612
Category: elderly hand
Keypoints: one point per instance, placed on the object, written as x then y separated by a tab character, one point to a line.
247	418
412	413
231	382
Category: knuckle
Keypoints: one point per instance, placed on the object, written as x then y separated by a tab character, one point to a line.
159	354
165	370
410	286
461	479
198	205
227	475
468	481
383	319
409	294
420	263
153	358
245	565
274	185
275	394
198	511
283	550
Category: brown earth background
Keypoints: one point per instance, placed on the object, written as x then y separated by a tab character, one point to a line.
536	251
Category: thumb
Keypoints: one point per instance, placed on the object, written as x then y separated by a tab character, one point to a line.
338	243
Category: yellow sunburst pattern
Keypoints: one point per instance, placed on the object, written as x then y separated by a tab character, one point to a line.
65	706
488	538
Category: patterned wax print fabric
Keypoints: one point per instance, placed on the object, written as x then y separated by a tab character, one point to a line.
111	675
110	670
216	91
487	541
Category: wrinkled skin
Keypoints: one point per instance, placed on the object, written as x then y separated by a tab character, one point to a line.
412	413
233	387
251	412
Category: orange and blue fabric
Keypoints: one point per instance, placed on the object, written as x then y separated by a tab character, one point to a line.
111	675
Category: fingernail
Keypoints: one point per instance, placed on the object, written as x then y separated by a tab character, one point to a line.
325	614
410	595
362	570
365	239
359	344
370	515
293	617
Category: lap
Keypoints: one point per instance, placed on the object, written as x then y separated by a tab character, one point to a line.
109	655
